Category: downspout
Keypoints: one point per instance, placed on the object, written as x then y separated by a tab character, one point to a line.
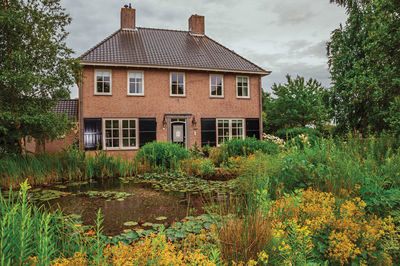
260	105
80	87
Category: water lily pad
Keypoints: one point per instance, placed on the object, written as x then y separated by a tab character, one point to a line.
127	230
147	224
161	218
130	223
121	199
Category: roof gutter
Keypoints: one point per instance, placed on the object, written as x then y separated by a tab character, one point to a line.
263	73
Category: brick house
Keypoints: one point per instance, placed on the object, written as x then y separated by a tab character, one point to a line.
145	84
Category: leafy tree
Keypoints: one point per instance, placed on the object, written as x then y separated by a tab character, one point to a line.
36	69
364	62
295	103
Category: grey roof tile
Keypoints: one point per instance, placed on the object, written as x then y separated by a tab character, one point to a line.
69	106
146	46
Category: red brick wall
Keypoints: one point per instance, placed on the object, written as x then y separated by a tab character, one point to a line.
157	100
34	146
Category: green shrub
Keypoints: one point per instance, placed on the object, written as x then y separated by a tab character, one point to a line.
299	136
27	231
294	132
247	146
202	167
162	155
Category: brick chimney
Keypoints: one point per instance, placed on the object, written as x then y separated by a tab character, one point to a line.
196	25
128	17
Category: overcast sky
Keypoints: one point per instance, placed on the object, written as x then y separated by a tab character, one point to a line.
283	36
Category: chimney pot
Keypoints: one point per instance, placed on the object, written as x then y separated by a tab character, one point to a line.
128	17
196	25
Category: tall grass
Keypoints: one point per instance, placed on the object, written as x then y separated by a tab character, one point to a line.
162	156
71	165
29	234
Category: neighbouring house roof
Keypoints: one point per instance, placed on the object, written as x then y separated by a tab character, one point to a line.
68	106
159	48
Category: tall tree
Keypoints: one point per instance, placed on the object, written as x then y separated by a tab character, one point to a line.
296	103
364	62
36	69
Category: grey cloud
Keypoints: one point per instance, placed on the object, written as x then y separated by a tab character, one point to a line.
283	36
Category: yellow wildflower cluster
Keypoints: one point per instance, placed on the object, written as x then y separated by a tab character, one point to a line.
152	250
294	241
310	213
78	259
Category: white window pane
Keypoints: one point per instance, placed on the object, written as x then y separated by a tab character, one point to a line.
106	87
213	80
180	78
106	73
108	123
99	87
174	78
139	87
132	123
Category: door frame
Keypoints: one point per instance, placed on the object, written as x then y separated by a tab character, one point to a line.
186	117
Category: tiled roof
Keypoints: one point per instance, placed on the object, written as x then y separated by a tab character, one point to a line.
68	106
167	48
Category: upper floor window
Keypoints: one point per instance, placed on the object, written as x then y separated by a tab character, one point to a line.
135	83
229	129
242	87
120	133
177	84
216	86
102	82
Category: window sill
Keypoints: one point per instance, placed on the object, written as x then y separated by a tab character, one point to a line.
121	149
178	96
217	97
102	94
245	98
135	95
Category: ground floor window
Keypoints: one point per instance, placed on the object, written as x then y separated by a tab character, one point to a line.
120	133
229	129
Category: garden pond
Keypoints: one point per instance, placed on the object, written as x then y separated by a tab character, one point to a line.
136	206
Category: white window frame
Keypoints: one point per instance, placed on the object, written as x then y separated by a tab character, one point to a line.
128	83
120	135
230	128
223	92
248	87
170	85
95	82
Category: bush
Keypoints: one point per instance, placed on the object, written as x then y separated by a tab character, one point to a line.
162	155
247	146
300	136
294	132
202	167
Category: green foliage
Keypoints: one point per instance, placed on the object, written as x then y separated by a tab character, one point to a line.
294	132
35	66
202	167
162	155
365	67
247	146
27	231
363	167
72	165
296	103
195	151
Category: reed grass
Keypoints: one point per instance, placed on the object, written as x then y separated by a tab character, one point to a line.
70	165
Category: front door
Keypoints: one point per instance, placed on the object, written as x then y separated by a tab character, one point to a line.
178	133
